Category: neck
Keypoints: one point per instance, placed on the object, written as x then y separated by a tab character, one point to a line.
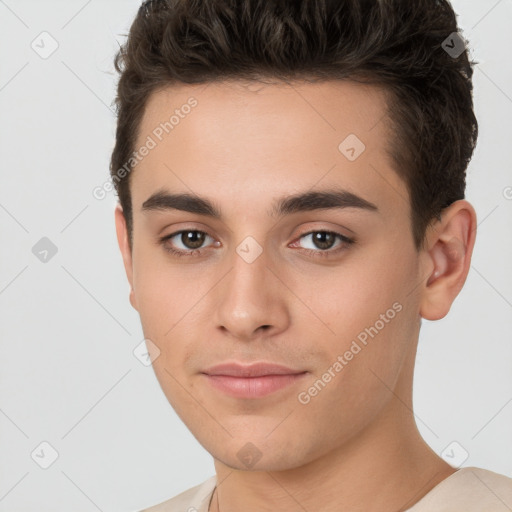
385	467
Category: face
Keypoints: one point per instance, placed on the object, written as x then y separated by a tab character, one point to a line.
300	254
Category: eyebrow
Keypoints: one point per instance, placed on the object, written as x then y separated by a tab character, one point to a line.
301	202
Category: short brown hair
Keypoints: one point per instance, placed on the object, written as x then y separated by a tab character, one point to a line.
396	44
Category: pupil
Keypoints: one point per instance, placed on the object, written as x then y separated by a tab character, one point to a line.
192	239
321	243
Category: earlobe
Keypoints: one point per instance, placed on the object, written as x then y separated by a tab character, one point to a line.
124	247
449	245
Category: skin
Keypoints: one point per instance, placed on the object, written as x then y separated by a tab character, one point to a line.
356	442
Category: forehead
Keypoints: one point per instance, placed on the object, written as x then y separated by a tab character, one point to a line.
237	141
322	111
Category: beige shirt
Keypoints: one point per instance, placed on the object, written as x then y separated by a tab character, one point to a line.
469	489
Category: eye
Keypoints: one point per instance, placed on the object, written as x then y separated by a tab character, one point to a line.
321	242
190	240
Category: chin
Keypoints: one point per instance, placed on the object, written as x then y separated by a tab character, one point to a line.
253	453
264	464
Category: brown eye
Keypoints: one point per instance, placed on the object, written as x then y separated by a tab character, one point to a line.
323	239
187	242
192	239
322	243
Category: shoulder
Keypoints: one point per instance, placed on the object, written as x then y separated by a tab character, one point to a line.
470	489
195	499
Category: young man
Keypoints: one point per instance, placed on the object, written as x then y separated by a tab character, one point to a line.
291	181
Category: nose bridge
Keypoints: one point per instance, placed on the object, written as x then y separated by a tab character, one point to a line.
249	297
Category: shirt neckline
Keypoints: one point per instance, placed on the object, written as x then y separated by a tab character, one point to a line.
440	486
211	485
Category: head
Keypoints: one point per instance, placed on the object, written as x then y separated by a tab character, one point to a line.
309	161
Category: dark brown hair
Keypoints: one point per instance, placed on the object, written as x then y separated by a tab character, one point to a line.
395	44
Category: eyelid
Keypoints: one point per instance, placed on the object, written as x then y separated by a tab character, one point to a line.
165	238
323	230
345	242
305	233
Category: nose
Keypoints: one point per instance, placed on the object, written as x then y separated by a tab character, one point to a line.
250	301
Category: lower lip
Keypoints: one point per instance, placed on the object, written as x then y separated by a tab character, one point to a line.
252	387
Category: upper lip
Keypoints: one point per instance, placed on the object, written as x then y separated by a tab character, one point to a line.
250	370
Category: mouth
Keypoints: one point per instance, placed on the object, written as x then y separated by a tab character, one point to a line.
251	381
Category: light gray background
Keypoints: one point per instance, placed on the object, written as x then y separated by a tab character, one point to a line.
68	374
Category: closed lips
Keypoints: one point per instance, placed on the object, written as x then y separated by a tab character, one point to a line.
252	370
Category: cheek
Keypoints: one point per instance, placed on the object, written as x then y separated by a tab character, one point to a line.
164	309
351	297
161	295
157	304
169	302
360	365
163	312
368	308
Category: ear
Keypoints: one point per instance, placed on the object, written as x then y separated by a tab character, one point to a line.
124	246
446	258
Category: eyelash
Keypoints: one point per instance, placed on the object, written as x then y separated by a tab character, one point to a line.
315	253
